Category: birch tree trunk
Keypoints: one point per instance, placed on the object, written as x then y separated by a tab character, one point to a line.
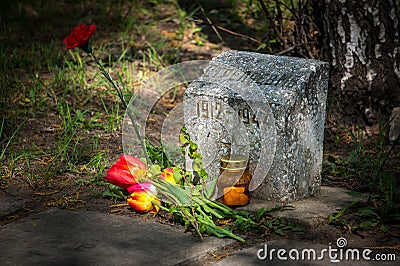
361	42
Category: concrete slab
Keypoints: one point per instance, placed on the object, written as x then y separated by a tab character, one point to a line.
64	237
256	255
10	204
308	211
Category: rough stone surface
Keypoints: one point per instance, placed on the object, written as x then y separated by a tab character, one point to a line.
267	107
63	237
9	205
310	211
249	256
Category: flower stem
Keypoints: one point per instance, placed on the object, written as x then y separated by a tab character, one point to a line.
193	221
160	206
222	230
164	191
122	98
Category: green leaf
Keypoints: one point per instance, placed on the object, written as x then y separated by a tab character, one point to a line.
213	231
367	212
278	208
261	212
209	210
184	139
177	174
155	169
369	224
192	147
383	228
116	193
210	190
180	193
337	216
261	46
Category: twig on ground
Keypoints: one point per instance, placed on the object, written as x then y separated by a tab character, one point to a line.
200	21
211	24
292	48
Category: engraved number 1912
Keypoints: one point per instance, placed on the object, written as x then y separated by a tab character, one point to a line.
209	109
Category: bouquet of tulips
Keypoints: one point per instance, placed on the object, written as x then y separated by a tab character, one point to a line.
171	189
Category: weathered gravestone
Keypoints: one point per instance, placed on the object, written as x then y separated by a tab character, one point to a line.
269	108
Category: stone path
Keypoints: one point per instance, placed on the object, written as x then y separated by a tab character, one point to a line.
65	237
250	256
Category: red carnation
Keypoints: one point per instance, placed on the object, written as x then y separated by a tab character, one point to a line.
79	37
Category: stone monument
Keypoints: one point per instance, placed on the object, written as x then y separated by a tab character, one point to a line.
268	108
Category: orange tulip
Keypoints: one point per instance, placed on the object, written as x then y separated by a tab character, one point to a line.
168	175
142	197
126	171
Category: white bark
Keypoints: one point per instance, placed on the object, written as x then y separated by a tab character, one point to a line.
363	39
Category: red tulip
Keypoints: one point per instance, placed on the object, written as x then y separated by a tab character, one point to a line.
126	171
142	198
168	175
79	37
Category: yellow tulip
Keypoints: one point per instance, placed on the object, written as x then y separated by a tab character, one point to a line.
168	175
143	197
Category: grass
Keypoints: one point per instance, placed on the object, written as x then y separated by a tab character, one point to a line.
365	163
39	77
365	169
60	121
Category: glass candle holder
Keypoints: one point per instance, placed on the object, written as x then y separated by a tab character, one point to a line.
234	180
